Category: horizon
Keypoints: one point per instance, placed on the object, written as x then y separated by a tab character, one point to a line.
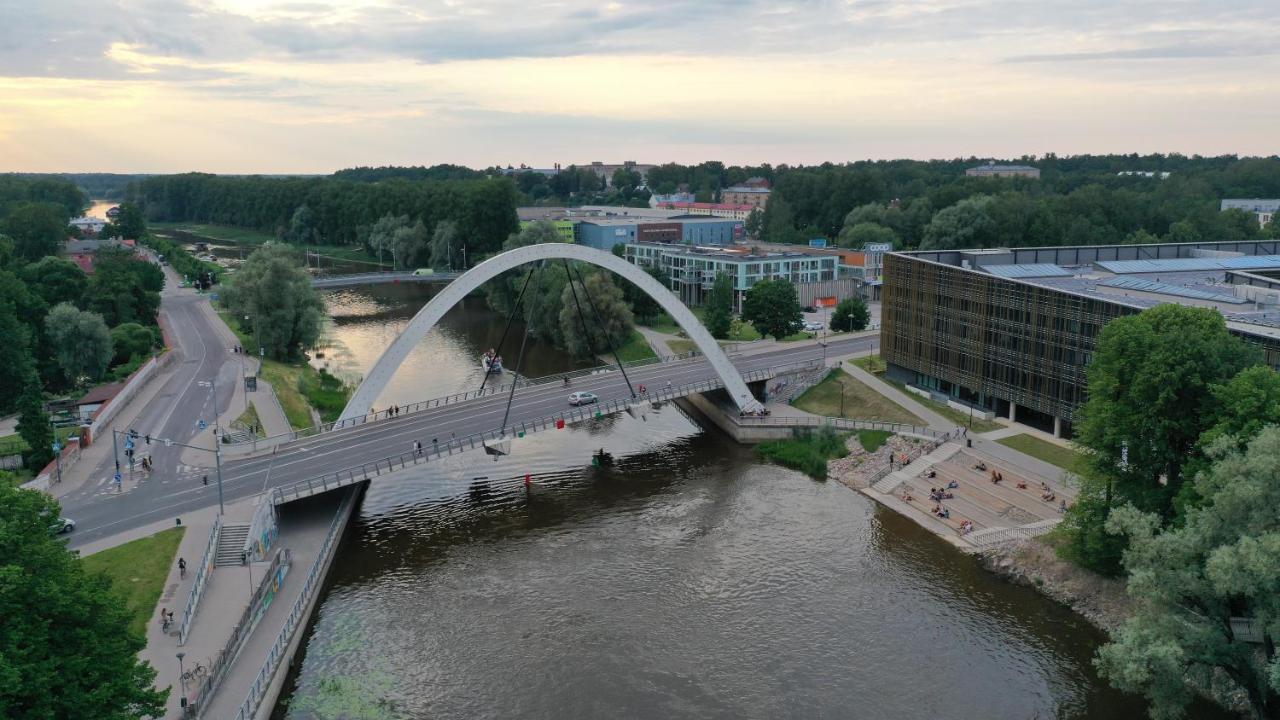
247	87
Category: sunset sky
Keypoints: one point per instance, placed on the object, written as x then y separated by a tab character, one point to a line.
238	86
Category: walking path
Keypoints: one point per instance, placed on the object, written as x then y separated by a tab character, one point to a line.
919	409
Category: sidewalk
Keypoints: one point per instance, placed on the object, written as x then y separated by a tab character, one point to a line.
935	421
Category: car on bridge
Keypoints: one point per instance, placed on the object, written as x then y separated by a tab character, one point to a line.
583	398
424	272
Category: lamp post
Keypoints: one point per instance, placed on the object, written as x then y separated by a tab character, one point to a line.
217	442
182	675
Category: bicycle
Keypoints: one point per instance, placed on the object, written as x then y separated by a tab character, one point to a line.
195	673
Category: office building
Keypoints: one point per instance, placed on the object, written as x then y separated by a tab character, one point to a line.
1011	331
993	170
1264	210
693	270
603	233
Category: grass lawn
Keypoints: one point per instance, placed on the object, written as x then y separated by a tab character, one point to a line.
138	571
636	348
284	379
664	324
1054	454
680	347
871	440
15	445
249	418
860	401
875	364
222	233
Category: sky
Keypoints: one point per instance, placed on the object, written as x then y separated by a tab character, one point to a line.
311	86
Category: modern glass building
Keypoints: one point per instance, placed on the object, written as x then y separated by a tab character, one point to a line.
692	270
1011	331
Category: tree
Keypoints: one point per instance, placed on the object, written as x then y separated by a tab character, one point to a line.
130	223
302	227
1189	581
34	425
80	341
772	308
599	291
443	240
779	222
966	224
382	236
719	318
37	229
851	315
864	234
130	339
65	646
407	243
124	288
56	280
284	310
1183	231
15	358
754	223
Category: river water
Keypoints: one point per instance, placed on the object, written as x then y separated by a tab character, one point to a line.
688	580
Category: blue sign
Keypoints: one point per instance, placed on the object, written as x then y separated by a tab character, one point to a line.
57	447
201	425
818	243
118	478
128	444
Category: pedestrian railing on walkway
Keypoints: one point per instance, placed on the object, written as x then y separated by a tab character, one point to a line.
271	582
844	424
297	614
432	403
203	570
905	459
366	471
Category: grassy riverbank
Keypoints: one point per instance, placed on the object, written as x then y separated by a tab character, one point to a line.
250	239
875	365
298	386
808	451
138	571
841	391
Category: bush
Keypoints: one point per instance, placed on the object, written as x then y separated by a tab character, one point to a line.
327	394
806	451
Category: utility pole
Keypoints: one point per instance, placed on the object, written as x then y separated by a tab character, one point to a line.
217	441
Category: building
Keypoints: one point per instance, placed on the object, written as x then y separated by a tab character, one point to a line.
865	265
693	270
727	210
993	170
603	233
89	226
1265	210
1011	331
1144	173
606	170
754	192
656	200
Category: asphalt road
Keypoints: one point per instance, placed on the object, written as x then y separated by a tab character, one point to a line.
103	512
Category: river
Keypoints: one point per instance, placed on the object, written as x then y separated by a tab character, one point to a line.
688	580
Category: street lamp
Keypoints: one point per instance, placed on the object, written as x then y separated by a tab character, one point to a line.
182	676
217	442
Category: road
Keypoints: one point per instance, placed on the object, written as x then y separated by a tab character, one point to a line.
105	512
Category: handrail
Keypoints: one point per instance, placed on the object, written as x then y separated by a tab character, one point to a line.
375	468
254	697
432	403
220	663
844	424
197	590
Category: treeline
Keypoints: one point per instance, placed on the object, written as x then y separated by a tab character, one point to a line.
413	173
18	189
98	186
1076	200
338	212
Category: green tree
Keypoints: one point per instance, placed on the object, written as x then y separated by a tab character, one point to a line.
124	288
1244	405
851	315
65	647
284	310
130	223
444	240
719	317
56	280
754	223
1189	581
130	339
967	224
37	229
302	227
382	236
780	222
15	357
33	425
1183	231
863	234
80	342
772	308
596	289
407	243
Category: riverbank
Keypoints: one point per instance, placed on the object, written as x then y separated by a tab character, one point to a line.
1034	562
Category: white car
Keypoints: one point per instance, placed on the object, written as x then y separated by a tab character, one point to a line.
583	398
813	326
63	525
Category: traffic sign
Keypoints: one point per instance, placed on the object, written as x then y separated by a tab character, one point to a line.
57	447
119	477
128	444
168	442
202	425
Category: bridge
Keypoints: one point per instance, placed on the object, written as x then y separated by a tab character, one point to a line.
329	282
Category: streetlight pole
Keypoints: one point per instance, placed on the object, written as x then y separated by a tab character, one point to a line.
182	675
217	442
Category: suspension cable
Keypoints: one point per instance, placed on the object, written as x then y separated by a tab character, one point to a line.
608	340
519	363
510	318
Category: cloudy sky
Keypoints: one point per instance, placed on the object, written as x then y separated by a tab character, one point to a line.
316	85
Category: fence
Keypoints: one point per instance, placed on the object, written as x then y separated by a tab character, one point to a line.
912	455
271	581
205	569
846	424
296	614
369	470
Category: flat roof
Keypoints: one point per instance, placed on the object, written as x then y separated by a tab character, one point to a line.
1028	271
1244	262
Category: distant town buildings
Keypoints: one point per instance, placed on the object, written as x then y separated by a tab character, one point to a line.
1143	173
754	192
693	270
606	170
88	226
656	200
728	210
1265	210
993	170
603	233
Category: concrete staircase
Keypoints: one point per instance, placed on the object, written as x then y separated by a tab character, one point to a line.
230	545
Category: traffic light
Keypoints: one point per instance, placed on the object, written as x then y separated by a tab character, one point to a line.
128	452
148	439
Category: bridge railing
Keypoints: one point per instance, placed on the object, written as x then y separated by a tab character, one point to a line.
845	424
437	450
356	278
432	403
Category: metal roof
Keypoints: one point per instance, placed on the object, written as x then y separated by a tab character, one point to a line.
1151	286
1027	271
1246	262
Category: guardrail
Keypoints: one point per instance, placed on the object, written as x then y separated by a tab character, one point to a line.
430	404
366	471
197	590
845	424
309	587
220	663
